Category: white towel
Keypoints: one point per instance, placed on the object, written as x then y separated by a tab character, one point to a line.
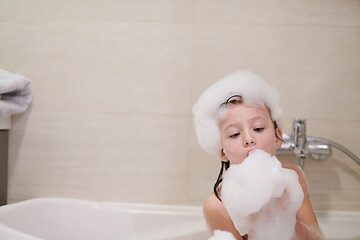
15	93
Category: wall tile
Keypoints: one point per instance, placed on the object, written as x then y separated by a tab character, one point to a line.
104	67
75	152
279	12
345	133
313	68
203	171
92	11
334	183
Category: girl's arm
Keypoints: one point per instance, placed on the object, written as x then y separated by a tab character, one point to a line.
307	226
217	218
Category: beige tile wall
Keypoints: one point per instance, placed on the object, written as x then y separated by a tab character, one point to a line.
114	82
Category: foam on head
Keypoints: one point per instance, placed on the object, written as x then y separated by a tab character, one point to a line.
253	90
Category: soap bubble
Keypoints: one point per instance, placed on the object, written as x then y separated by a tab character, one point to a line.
261	197
222	235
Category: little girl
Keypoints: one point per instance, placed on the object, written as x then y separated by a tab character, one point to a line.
233	117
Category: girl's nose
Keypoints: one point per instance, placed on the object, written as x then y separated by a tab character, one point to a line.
248	140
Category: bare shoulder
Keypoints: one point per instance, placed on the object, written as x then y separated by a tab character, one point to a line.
301	175
297	169
214	209
217	217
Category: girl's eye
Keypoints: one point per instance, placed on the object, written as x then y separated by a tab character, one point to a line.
258	129
234	135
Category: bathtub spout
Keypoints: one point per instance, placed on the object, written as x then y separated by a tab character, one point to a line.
335	145
318	148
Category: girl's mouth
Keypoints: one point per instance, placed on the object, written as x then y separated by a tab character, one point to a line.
248	153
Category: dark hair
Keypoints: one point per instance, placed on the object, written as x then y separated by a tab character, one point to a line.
225	165
233	100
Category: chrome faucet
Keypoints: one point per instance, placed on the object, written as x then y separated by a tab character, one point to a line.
302	146
299	143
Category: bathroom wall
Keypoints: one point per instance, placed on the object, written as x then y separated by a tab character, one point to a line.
114	83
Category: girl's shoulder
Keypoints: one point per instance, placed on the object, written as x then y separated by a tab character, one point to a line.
301	175
213	206
217	217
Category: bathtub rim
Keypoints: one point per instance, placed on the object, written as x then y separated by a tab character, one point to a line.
138	208
150	207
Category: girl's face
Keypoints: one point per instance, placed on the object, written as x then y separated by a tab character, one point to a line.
245	128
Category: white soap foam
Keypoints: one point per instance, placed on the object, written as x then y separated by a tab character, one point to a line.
253	90
262	198
222	235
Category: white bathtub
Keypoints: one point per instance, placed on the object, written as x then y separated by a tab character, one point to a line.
60	219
